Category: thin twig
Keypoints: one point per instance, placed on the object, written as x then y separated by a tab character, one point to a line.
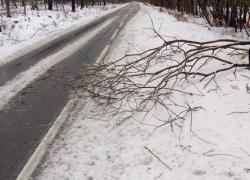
158	158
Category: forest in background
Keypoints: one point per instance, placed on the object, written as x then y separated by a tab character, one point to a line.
231	13
6	6
10	8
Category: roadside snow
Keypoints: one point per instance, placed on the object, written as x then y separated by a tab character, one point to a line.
24	31
93	149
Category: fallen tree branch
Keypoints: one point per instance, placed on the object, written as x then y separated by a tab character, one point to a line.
150	80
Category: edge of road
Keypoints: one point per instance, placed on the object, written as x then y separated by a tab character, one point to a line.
53	39
41	149
37	156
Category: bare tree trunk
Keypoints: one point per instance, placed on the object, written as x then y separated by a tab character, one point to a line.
82	4
245	13
240	18
73	5
24	6
2	3
14	2
56	2
227	13
179	5
34	5
45	4
162	3
8	8
50	5
203	7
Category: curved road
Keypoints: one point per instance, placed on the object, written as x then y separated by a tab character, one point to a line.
29	115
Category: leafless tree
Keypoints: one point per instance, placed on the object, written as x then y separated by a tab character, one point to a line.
7	2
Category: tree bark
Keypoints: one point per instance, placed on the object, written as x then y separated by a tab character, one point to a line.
24	6
82	4
8	8
73	5
50	5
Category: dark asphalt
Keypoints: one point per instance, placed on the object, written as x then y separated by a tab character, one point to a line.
29	115
13	68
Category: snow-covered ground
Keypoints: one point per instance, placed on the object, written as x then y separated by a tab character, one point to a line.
22	30
93	149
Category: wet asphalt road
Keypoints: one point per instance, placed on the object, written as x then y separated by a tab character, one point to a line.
30	114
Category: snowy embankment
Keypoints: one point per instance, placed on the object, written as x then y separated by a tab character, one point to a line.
98	149
22	31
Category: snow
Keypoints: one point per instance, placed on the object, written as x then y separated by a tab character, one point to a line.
90	148
22	32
